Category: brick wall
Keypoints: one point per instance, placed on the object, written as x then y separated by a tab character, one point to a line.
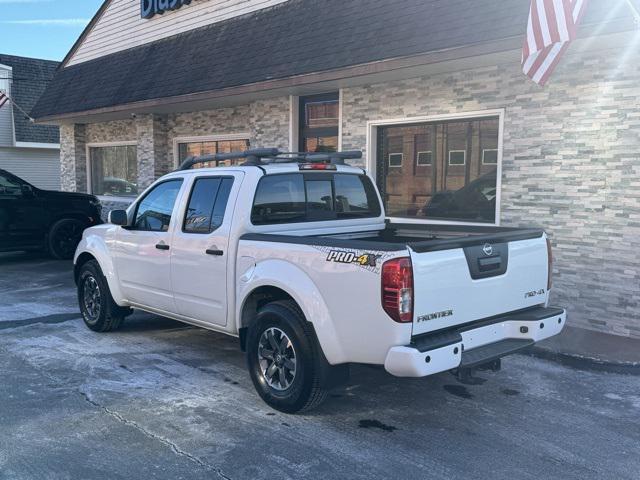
571	164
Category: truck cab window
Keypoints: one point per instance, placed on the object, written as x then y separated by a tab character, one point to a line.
207	204
279	199
153	213
310	198
319	196
355	197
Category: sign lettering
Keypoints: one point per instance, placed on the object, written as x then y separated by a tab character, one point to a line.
149	8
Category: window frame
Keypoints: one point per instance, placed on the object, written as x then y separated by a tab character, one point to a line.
304	132
89	146
317	176
401	160
192	188
372	141
176	141
489	150
464	158
430	164
145	194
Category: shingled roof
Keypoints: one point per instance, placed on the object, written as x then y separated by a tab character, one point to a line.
293	38
30	78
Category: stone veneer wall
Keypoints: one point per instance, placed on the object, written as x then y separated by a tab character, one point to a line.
73	157
266	123
571	165
116	131
223	121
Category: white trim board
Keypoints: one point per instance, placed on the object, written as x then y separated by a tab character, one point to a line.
47	146
294	123
340	120
372	149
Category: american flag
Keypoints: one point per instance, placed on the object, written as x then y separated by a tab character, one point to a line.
552	26
3	99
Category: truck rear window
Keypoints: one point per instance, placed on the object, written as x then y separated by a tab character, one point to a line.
313	197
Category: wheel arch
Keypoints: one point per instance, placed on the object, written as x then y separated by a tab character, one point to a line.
83	258
280	280
81	216
93	247
253	302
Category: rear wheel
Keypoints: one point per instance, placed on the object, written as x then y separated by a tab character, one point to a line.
284	358
64	237
99	311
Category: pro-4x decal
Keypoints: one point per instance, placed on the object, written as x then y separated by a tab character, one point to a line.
364	260
368	260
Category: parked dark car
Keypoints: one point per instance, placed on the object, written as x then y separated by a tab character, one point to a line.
474	202
31	218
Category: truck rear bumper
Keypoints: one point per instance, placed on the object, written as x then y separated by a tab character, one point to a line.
480	342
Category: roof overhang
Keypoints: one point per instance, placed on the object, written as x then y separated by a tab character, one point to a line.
505	51
449	60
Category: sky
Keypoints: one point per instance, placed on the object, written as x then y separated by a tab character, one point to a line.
43	28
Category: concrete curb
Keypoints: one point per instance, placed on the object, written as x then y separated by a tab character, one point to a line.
584	362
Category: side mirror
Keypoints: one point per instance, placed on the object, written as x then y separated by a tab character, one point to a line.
118	217
27	191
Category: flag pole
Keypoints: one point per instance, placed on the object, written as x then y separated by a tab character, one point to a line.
19	108
634	12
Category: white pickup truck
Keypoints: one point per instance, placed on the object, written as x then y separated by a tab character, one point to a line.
293	255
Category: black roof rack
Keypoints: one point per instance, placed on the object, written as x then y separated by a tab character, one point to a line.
266	156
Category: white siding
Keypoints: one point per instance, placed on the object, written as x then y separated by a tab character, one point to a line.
38	166
6	112
121	27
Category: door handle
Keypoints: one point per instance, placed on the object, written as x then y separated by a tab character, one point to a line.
216	253
162	246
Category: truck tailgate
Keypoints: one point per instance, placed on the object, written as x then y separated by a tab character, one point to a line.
460	285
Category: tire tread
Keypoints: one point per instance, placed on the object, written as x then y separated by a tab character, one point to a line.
314	391
318	394
114	314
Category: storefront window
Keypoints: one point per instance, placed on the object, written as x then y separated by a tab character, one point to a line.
319	123
114	170
191	149
440	171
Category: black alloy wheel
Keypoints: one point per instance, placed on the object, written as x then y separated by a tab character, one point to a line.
284	357
64	237
99	311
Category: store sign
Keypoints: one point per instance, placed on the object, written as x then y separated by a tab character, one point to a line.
149	8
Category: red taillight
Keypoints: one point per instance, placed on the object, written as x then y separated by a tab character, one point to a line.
317	166
549	264
397	289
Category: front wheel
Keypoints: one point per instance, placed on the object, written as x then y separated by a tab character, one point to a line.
99	311
284	358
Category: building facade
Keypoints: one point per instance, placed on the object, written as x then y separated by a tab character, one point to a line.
29	151
431	92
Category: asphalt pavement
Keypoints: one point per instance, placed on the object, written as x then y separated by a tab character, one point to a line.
159	399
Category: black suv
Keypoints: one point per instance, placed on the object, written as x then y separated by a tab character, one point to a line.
31	218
